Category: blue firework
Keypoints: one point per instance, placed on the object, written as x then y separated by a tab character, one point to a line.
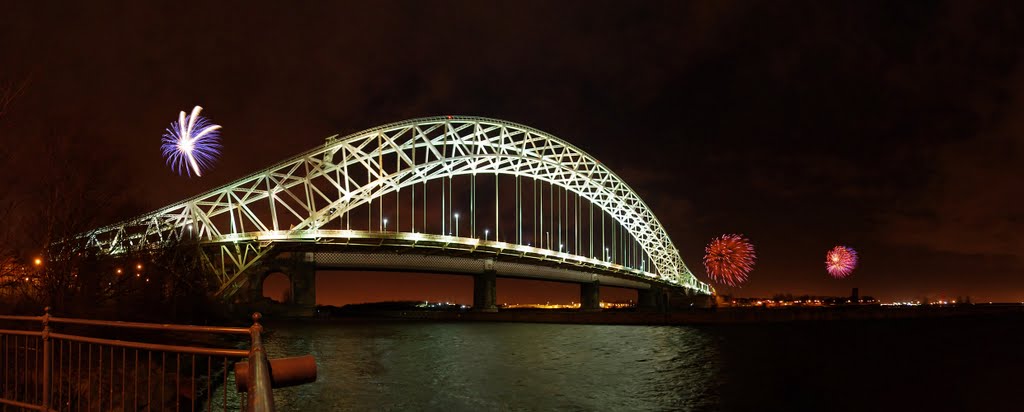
191	144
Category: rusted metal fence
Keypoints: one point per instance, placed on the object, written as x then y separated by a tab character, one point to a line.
58	368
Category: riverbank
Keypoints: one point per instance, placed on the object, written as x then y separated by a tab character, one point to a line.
695	316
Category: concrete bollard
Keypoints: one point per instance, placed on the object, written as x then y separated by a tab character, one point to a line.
284	372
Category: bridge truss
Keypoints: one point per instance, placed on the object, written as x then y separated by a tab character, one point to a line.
345	191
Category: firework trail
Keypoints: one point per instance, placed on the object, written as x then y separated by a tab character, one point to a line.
729	258
191	144
840	261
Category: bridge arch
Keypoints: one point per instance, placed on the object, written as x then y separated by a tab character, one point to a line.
490	148
298	198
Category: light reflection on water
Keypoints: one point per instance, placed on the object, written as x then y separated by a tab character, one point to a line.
499	366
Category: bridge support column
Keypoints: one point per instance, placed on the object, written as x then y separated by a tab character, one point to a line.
652	300
485	292
304	288
590	297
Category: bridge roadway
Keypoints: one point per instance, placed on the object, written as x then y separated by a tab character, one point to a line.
425	253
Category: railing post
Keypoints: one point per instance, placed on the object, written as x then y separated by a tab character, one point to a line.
260	397
46	360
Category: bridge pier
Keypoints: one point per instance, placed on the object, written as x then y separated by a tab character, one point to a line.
649	299
653	299
485	292
301	283
304	287
590	297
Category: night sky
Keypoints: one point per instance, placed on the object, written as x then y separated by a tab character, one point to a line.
896	128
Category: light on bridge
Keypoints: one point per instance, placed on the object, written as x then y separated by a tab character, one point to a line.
38	262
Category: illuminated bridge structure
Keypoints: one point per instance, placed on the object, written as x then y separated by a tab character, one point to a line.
464	195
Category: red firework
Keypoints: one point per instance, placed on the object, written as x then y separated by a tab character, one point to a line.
729	258
840	261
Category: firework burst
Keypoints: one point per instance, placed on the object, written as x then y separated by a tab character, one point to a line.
191	144
729	258
840	261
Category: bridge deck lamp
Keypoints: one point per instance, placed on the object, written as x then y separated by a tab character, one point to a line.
385	224
456	224
486	232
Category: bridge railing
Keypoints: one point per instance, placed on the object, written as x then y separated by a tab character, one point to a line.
60	368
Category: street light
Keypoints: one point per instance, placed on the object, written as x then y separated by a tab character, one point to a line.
486	232
607	255
38	261
456	224
385	224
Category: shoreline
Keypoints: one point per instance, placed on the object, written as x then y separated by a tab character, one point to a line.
743	315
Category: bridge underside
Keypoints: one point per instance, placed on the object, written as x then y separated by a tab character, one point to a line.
463	265
300	263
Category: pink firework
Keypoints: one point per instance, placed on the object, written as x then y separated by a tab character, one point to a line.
729	258
840	261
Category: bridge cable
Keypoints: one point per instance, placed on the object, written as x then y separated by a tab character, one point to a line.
398	191
412	208
533	228
380	171
472	205
591	227
551	209
496	217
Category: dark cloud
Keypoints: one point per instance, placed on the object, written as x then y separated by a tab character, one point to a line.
971	206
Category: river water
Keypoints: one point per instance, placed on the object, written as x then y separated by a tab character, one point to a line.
936	364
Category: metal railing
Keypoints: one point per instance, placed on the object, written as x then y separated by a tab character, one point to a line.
65	370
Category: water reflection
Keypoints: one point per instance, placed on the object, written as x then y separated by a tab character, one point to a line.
499	366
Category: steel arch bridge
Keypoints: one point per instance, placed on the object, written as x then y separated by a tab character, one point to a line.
321	196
